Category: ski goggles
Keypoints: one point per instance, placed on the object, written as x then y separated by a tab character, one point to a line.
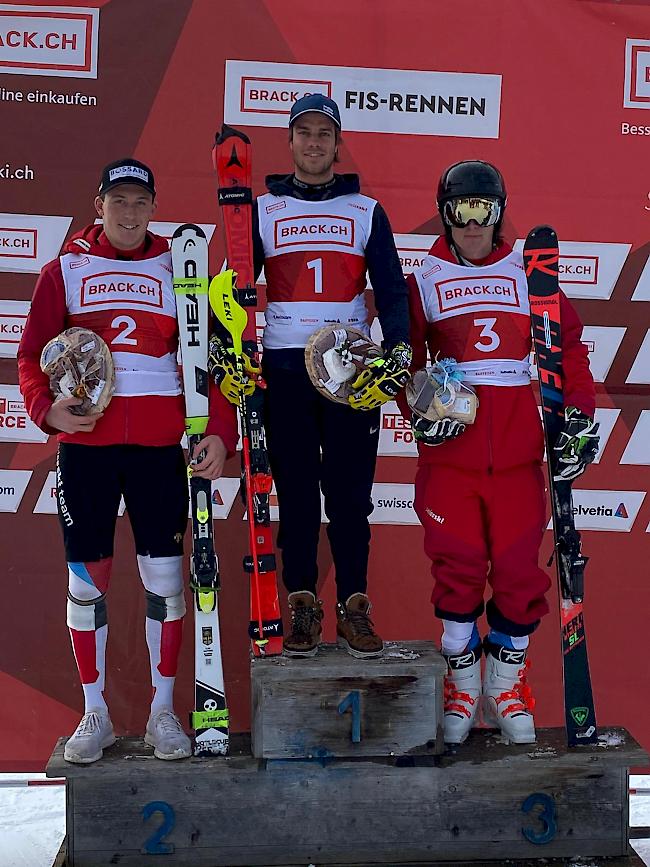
459	212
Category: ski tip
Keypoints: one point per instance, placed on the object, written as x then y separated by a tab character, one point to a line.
542	231
188	227
230	132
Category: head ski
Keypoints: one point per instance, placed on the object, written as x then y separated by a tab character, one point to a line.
232	160
190	266
541	257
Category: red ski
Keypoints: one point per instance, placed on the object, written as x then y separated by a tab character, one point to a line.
232	160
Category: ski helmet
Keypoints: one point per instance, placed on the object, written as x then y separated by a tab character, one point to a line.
471	178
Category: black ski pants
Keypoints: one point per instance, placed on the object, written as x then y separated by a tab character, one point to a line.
317	445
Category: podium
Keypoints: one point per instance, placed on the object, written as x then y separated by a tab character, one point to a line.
346	766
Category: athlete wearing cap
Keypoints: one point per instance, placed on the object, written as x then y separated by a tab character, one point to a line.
318	239
115	279
480	489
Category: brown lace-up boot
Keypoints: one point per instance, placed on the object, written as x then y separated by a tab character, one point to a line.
354	628
306	616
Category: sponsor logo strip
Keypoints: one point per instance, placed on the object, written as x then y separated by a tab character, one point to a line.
29	241
395	434
457	293
606	510
96	289
314	229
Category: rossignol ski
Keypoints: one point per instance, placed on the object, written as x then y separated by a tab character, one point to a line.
232	160
190	266
541	259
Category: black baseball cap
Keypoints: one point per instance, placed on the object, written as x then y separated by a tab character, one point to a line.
315	102
127	171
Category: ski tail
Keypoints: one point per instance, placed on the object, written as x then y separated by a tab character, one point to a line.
541	261
209	718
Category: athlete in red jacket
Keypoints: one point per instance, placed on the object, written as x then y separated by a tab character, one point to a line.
116	280
480	487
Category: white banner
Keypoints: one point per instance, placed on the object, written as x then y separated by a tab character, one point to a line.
49	40
606	510
13	484
637	450
29	241
15	424
461	104
13	315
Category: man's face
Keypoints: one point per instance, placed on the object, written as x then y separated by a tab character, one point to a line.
313	146
473	241
126	210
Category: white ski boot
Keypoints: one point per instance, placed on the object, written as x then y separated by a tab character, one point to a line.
165	734
93	734
507	698
462	694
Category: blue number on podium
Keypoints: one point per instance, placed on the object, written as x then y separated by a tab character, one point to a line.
547	816
154	845
353	701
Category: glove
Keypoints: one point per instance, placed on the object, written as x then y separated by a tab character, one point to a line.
382	379
222	365
576	446
435	433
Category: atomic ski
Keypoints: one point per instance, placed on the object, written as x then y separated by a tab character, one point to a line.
190	266
232	160
541	258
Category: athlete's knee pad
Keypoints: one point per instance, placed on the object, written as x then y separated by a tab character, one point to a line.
89	581
165	608
86	615
162	576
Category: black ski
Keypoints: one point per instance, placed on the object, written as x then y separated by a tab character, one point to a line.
541	258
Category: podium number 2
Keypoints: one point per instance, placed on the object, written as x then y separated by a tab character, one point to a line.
546	816
353	701
154	844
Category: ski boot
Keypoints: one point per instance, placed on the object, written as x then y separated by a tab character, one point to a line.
462	694
507	698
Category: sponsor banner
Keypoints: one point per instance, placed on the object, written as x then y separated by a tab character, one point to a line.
15	425
46	503
640	370
606	418
29	241
642	289
412	250
49	40
606	510
395	434
167	229
637	73
588	269
403	101
393	504
123	286
637	450
457	293
13	484
314	229
13	315
224	494
602	342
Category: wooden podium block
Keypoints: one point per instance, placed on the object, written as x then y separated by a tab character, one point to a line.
484	801
334	705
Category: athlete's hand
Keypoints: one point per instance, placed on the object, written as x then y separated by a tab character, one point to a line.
60	417
211	467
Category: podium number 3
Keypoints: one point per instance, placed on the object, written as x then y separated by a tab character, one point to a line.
154	844
546	816
353	701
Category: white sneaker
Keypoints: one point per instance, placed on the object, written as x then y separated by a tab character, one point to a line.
462	694
93	734
165	734
507	698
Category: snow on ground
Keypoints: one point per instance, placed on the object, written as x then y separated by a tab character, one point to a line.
32	820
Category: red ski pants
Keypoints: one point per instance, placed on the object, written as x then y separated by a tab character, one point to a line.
485	528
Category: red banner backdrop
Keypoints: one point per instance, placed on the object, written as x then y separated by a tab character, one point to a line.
556	94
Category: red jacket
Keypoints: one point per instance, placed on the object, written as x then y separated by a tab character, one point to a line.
152	420
507	431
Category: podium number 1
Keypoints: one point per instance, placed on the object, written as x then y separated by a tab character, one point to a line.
353	701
